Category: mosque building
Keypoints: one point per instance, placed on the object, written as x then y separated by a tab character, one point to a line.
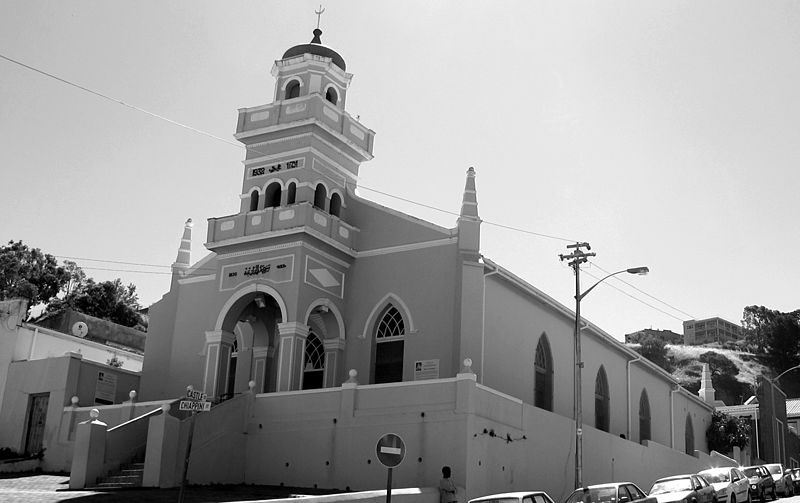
320	321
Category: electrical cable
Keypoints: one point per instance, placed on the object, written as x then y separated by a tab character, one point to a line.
238	145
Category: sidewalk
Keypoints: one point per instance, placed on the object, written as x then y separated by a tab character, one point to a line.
47	488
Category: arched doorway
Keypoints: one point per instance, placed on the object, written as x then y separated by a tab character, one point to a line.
243	347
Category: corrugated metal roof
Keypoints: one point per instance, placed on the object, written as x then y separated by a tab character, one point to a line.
793	407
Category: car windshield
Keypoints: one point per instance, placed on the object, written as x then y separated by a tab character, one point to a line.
716	477
751	472
775	469
498	500
599	495
671	486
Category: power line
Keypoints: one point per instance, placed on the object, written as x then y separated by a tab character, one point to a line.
635	298
238	145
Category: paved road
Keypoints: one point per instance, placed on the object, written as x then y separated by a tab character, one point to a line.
26	488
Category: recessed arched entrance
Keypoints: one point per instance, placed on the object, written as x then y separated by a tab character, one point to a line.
324	346
243	346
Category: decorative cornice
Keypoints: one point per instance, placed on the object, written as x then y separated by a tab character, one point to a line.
273	234
197	279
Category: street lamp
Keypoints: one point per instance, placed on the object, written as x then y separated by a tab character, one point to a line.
576	258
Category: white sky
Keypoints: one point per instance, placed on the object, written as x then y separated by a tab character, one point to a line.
665	133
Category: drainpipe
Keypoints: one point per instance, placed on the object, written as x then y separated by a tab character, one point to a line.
483	319
638	358
672	415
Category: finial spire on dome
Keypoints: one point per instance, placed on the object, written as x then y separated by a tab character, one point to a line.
317	31
469	203
185	251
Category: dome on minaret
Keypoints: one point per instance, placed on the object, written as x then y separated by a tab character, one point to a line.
316	48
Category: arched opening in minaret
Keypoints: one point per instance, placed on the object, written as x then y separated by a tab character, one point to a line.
254	200
336	205
331	95
253	319
291	193
293	90
320	195
272	196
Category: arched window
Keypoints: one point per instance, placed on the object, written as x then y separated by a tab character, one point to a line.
543	375
331	95
293	89
689	434
291	193
644	417
320	195
601	415
254	200
336	205
272	196
313	362
389	335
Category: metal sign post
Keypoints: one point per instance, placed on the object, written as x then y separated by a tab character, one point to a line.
196	403
390	450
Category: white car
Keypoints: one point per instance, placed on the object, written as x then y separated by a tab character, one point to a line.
730	483
782	484
515	497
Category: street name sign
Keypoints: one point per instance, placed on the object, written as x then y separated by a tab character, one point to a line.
192	394
194	406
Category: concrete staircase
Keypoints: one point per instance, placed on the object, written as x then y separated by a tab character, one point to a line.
128	476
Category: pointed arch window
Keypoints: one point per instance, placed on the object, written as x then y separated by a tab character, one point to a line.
320	195
291	193
272	196
389	338
543	375
336	204
293	89
601	400
313	362
644	417
689	436
254	200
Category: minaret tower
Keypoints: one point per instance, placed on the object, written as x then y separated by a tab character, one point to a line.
301	148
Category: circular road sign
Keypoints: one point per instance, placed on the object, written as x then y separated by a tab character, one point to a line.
390	450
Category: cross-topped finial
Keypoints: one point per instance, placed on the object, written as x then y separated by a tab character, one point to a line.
319	14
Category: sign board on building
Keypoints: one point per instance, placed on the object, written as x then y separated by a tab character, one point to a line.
426	369
193	394
269	270
105	388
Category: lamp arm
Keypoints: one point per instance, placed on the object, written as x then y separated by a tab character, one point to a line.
584	294
786	371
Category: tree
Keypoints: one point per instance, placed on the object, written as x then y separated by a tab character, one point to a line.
775	334
28	273
655	349
109	300
719	365
726	432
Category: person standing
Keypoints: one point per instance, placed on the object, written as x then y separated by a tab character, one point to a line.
447	488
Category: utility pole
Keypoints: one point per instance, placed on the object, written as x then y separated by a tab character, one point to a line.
576	258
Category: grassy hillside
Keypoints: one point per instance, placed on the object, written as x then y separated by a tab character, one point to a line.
733	383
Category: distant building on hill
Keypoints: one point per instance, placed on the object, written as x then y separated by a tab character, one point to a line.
667	336
696	332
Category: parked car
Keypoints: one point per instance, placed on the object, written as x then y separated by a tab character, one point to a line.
782	483
761	482
794	474
515	497
617	492
684	489
730	483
